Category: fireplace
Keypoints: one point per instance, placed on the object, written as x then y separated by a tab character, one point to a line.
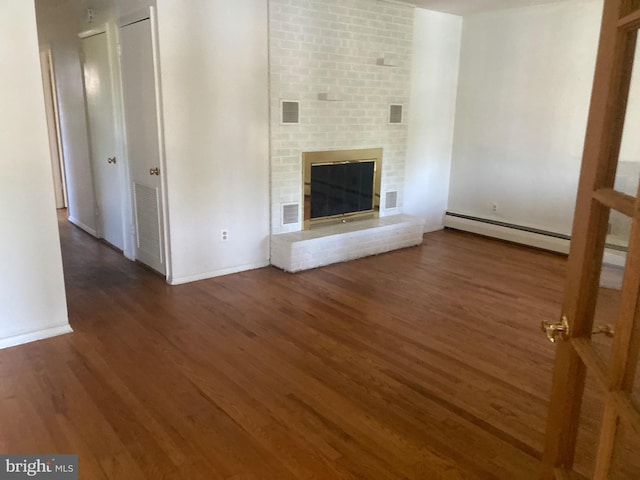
341	185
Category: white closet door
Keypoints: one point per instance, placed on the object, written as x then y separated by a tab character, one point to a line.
141	117
106	167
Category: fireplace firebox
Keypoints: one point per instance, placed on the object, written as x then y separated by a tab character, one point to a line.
341	185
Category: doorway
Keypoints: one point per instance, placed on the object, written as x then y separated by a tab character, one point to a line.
116	193
53	128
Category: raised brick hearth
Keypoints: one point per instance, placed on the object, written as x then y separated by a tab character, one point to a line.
345	241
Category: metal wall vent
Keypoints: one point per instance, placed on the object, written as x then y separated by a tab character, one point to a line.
391	200
395	113
290	213
290	110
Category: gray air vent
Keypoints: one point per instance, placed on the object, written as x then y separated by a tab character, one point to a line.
290	111
395	113
390	200
290	213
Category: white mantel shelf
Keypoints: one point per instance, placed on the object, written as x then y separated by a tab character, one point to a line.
320	246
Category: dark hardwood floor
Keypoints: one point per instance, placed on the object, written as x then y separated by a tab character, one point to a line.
425	363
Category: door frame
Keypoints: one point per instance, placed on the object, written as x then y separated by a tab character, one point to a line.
133	17
53	123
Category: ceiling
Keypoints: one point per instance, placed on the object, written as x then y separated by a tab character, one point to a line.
456	7
465	7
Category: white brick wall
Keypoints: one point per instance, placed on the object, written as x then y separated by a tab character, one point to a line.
345	241
332	46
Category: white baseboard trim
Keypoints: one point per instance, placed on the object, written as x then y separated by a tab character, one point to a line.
33	336
532	239
216	273
86	228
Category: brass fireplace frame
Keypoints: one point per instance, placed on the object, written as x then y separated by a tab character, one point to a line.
335	157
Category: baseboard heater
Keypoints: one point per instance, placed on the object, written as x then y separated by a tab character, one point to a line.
533	237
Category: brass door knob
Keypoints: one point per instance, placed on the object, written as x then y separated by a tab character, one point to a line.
111	160
556	331
154	171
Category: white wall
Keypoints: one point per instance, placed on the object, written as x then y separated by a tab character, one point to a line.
59	23
128	7
333	46
628	170
523	97
630	146
214	64
32	297
434	81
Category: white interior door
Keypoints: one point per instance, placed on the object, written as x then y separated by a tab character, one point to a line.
141	118
102	138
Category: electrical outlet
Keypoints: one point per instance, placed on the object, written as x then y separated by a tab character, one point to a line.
494	207
224	234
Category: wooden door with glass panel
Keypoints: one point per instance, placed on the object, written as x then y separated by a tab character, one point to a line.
594	432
